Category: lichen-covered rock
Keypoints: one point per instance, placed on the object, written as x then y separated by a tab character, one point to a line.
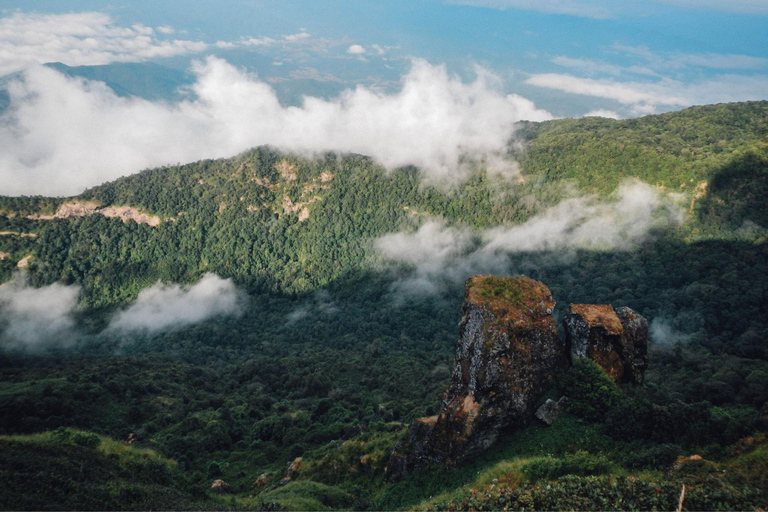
617	340
508	352
551	410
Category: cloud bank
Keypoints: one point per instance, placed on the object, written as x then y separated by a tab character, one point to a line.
64	134
440	255
646	98
34	318
78	39
171	307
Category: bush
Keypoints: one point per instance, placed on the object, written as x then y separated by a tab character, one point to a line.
591	392
579	463
86	439
654	457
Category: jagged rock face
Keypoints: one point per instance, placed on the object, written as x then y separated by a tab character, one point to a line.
617	340
508	351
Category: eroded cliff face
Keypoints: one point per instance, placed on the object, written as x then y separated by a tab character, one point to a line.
617	339
508	352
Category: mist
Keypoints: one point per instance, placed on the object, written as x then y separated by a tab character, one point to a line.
36	318
170	307
319	303
440	255
62	134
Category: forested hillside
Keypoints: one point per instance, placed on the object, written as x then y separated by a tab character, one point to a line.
334	342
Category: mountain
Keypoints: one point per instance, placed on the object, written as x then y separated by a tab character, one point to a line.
338	325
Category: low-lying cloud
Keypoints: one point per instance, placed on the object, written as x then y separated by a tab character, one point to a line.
169	307
663	333
440	254
63	134
35	318
320	303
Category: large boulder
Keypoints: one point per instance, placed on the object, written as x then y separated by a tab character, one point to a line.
507	353
617	340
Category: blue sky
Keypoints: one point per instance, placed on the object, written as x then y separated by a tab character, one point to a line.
569	56
418	82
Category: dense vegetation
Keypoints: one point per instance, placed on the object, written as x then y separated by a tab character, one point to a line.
329	362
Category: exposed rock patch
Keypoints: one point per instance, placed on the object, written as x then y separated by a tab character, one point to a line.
76	209
126	212
220	486
85	208
24	262
4	255
617	340
286	169
508	351
17	233
261	481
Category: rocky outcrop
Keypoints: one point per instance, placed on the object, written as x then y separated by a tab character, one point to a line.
551	410
617	340
221	487
508	351
261	481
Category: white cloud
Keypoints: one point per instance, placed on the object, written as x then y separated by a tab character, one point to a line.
625	93
588	66
593	67
680	60
644	98
598	9
292	38
440	254
586	223
662	332
37	317
610	114
88	38
258	41
356	49
433	243
170	307
63	134
165	29
717	61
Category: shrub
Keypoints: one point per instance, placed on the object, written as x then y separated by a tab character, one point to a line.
654	457
86	439
579	463
591	392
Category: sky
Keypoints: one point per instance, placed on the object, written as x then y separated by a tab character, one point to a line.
464	60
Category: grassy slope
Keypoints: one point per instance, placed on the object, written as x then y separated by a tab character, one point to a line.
73	470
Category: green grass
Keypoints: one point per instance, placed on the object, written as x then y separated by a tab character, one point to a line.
303	495
69	470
